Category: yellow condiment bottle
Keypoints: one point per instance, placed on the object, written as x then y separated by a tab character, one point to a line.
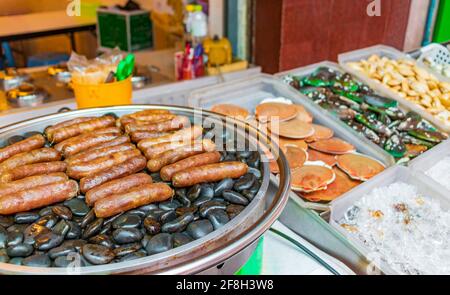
218	50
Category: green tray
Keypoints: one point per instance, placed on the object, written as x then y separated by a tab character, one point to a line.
254	264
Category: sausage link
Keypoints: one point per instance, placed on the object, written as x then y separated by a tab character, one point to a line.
116	141
51	129
79	128
30	182
108	130
33	169
139	196
86	142
159	148
141	135
37	197
194	161
150	118
126	168
209	173
186	135
172	156
170	125
34	156
85	169
91	155
26	145
117	186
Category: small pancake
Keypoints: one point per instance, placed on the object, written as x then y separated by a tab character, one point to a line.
230	110
328	159
310	178
342	184
303	114
320	133
359	167
275	111
284	142
294	129
296	157
333	146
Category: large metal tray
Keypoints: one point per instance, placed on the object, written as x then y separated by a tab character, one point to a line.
232	243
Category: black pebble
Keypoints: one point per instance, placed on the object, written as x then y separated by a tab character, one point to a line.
62	250
160	243
61	228
32	231
180	239
103	240
207	190
156	213
152	226
168	216
179	224
194	192
62	212
234	197
203	199
48	221
77	206
6	221
38	260
218	218
211	205
97	254
88	218
199	228
93	229
26	217
133	256
14	238
127	235
127	249
21	250
127	221
3	237
245	182
16	260
48	241
224	184
169	205
74	231
233	210
256	172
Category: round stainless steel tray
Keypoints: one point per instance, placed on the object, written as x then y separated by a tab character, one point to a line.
232	243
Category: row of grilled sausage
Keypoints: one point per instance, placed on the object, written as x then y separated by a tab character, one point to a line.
107	164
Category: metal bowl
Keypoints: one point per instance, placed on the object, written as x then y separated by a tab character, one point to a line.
222	251
26	95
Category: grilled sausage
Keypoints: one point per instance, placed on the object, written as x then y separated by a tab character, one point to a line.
87	142
116	141
194	161
51	129
73	130
141	135
26	145
117	186
186	135
170	125
136	197
150	118
108	130
33	169
35	156
38	196
126	168
209	173
159	148
30	182
91	155
180	153
85	169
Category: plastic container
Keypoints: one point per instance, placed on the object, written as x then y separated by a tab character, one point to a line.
248	93
199	25
389	176
427	160
105	94
437	53
391	53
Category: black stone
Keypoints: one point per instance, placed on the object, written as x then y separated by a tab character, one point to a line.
254	160
61	228
3	237
194	192
138	213
152	226
169	205
14	238
133	256
32	231
156	214
218	218
127	249
97	254
185	202
47	241
74	231
21	250
207	191
106	229
62	212
45	211
77	244
62	250
16	260
200	228
235	197
38	260
256	172
48	221
88	218
26	217
233	210
184	210
127	221
147	208
211	205
103	240
20	228
93	229
77	206
224	184
127	235
202	199
180	239
160	243
245	182
179	224
168	216
6	221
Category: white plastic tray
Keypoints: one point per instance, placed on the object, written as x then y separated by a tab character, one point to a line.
427	160
439	53
248	93
389	176
391	53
